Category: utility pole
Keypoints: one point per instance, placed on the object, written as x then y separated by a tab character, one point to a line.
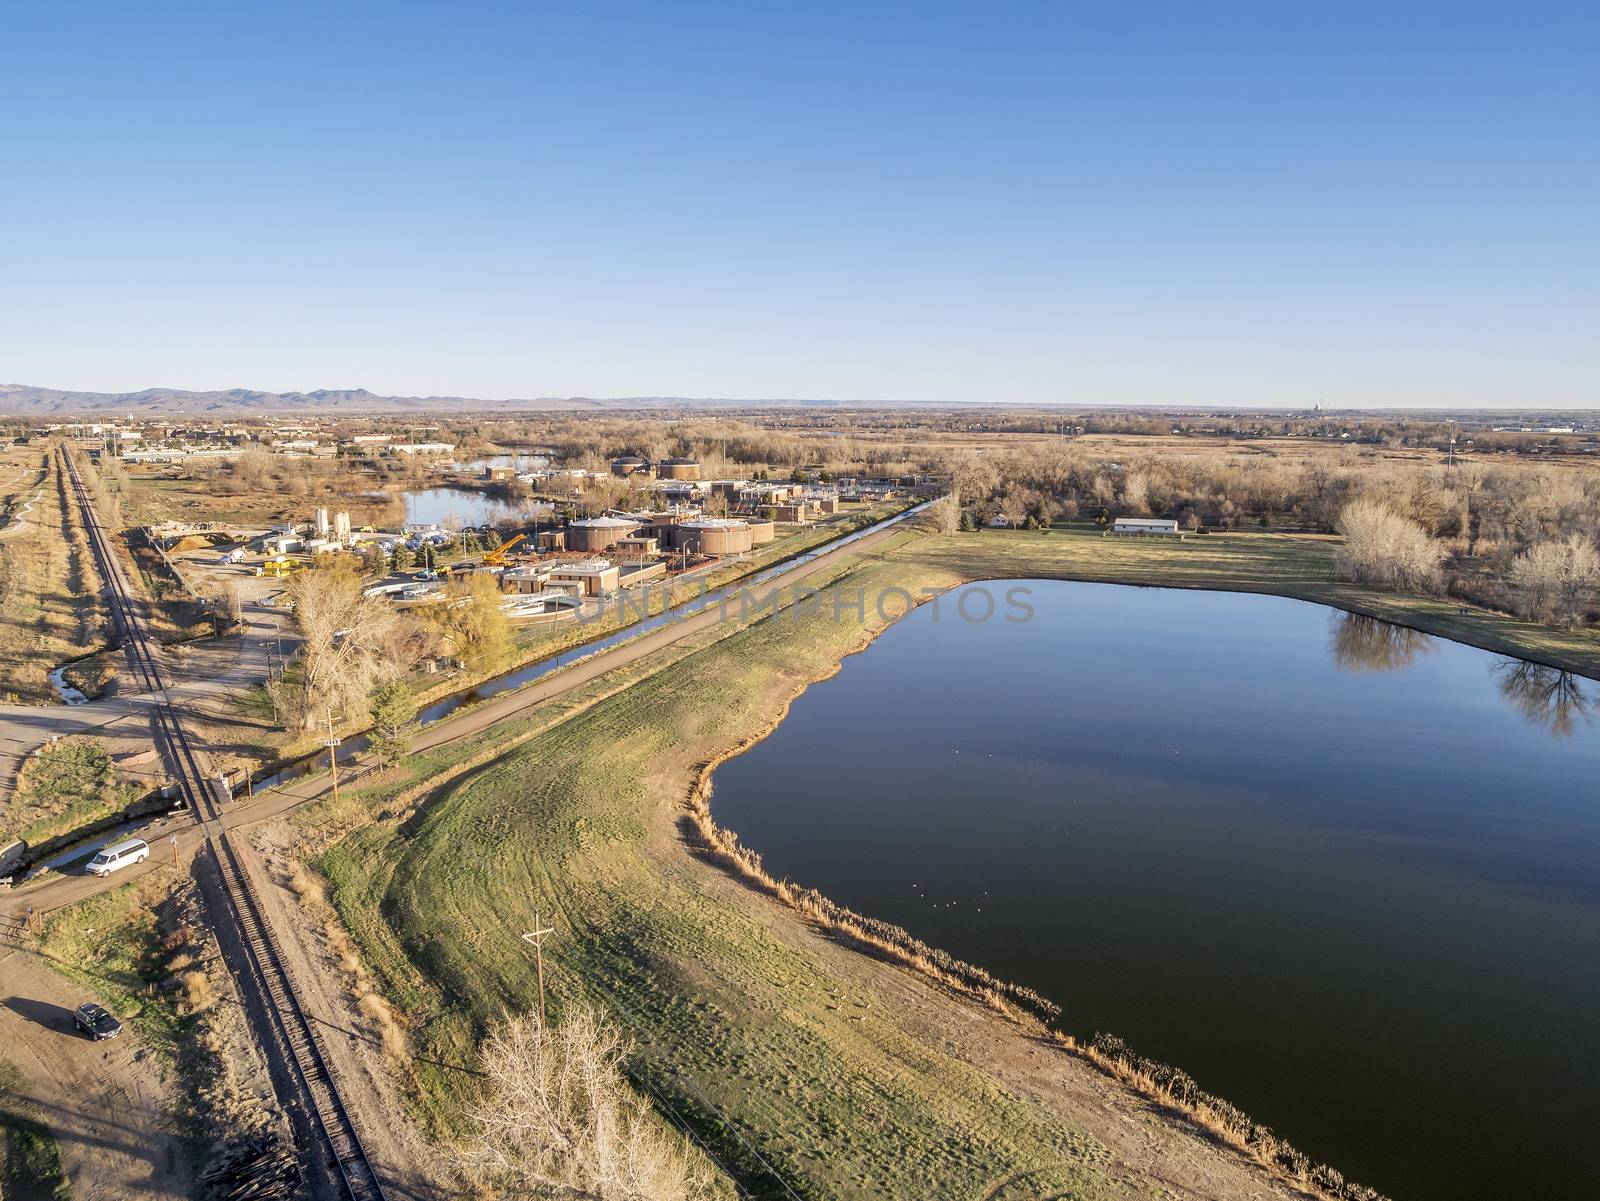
333	763
536	938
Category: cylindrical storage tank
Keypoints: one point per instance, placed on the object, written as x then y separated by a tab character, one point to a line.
598	533
762	532
678	469
713	536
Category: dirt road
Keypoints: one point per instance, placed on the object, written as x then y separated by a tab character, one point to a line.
107	1103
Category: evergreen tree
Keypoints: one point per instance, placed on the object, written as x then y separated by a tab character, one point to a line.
393	721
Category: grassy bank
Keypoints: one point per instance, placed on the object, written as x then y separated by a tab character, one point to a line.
65	786
535	643
850	1075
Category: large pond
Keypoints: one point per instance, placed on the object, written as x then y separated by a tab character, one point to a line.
1346	875
457	507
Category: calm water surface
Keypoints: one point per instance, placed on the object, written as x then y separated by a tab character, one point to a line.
1346	875
450	505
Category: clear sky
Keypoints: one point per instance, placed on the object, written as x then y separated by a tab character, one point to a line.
1203	202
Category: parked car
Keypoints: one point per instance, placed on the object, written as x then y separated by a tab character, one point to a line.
95	1021
118	855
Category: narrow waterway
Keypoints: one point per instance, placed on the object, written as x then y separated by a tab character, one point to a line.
519	677
1345	874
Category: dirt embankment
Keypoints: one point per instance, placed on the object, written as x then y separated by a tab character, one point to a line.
360	1034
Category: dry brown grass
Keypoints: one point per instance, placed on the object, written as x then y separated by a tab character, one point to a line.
383	1024
197	993
50	609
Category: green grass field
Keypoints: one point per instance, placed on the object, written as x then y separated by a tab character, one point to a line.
840	1069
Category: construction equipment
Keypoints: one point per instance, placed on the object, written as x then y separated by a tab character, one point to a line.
280	567
497	556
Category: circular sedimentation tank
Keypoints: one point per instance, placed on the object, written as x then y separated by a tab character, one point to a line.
713	535
598	533
678	469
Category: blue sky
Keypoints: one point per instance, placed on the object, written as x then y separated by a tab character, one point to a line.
1201	203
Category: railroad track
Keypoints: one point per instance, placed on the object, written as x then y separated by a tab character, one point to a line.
314	1091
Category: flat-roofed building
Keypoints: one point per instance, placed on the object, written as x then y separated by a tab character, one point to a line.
595	576
1145	525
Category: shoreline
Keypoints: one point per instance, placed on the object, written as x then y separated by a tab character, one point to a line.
1014	1003
767	665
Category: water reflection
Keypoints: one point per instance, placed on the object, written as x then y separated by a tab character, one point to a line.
456	507
1361	644
1546	696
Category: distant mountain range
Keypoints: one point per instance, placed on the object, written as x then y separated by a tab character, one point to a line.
26	400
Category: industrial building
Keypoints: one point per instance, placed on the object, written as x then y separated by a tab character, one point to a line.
638	546
678	469
712	536
598	533
595	577
628	465
336	530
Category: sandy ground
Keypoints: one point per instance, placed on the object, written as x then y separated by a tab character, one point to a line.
107	1103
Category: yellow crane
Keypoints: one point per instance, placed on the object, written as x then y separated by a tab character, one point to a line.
497	556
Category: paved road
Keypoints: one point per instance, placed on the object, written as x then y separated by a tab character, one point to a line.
56	891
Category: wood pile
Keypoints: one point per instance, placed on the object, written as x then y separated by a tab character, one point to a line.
260	1168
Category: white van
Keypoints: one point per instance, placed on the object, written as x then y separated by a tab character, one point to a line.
120	854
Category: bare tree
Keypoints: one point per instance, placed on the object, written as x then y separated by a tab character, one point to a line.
945	514
230	606
557	1119
352	643
1388	550
1557	580
1136	493
1014	508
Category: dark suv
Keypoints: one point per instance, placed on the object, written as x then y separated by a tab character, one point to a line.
94	1021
